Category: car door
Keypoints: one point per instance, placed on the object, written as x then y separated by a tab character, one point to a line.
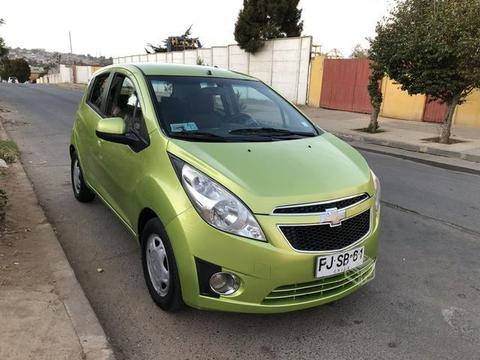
122	165
90	113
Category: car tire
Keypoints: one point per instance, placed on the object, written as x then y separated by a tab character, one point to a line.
160	267
80	189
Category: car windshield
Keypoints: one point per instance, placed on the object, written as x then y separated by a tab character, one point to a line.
218	109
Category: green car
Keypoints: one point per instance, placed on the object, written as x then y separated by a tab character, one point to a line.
239	202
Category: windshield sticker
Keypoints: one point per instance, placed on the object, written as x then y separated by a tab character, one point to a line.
190	126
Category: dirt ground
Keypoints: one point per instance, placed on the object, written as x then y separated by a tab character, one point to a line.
34	321
71	86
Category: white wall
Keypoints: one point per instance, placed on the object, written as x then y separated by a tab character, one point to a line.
282	63
66	74
83	74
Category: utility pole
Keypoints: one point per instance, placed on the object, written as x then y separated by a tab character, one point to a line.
74	68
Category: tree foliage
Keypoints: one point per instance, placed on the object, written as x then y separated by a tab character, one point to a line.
3	47
431	47
16	67
359	52
261	20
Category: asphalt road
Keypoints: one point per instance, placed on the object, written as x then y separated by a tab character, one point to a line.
423	304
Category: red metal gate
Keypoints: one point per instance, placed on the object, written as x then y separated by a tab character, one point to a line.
435	111
345	84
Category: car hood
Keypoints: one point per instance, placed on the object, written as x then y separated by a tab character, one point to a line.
266	175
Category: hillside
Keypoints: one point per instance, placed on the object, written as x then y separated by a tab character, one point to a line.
41	57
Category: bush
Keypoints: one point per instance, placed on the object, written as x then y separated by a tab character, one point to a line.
8	151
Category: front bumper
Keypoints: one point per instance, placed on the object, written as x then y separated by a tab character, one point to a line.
274	277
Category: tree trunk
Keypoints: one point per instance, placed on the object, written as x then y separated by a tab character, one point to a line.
447	124
373	126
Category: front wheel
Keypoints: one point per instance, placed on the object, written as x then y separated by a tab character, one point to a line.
80	190
160	268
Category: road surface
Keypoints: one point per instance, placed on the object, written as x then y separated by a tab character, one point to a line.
423	304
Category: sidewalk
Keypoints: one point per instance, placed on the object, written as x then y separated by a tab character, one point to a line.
401	134
44	313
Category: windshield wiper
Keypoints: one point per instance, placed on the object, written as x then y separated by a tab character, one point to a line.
206	136
198	135
274	132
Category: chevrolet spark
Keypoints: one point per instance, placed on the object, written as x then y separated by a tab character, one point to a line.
239	202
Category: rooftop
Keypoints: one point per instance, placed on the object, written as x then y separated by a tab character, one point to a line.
186	70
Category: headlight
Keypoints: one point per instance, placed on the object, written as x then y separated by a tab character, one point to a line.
378	190
215	204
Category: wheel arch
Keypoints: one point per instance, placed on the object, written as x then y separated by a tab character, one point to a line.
72	150
145	215
157	195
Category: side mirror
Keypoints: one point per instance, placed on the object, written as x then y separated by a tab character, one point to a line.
110	126
114	130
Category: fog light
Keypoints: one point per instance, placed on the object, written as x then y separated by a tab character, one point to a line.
224	283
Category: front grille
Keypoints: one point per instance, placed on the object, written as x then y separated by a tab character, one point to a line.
321	207
322	288
323	237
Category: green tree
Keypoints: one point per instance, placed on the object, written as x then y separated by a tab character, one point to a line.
431	47
16	67
359	52
3	47
261	20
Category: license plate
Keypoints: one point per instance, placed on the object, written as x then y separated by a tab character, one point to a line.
338	263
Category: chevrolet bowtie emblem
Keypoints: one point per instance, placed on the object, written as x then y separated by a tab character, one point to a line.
333	217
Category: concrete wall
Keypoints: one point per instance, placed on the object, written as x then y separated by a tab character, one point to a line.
79	74
83	74
282	63
66	74
398	104
468	114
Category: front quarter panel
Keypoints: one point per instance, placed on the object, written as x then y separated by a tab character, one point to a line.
159	189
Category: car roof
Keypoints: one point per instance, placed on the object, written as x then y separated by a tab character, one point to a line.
150	69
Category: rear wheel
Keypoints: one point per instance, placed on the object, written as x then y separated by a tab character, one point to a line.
80	190
160	268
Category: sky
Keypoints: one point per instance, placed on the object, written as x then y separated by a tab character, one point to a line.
118	28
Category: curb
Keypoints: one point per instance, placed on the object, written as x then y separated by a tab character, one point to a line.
405	146
91	336
452	164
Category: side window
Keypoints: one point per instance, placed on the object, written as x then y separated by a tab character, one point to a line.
123	102
95	97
